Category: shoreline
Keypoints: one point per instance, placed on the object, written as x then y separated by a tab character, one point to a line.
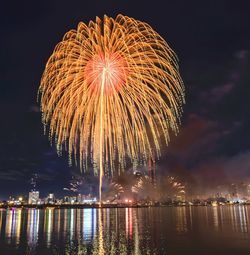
97	206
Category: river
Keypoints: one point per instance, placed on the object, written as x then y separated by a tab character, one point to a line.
157	230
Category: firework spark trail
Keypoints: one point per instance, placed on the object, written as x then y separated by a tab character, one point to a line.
109	92
101	136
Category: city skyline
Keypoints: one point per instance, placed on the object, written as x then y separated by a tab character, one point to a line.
136	188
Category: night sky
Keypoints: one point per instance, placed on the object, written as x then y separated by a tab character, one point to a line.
212	41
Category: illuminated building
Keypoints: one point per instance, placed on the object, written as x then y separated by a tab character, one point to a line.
79	198
66	199
50	199
89	199
33	197
73	200
82	199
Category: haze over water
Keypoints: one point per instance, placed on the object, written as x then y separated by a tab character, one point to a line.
165	230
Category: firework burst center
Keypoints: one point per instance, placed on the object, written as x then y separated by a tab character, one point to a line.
111	67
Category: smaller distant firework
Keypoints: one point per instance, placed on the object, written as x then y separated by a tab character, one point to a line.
33	181
117	188
75	184
178	186
174	188
141	183
114	191
139	186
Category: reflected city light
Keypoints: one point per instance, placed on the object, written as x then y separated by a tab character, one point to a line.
64	222
129	221
215	217
190	217
136	235
16	224
181	219
1	219
100	233
232	218
89	224
243	219
49	213
118	230
78	222
107	219
246	217
72	223
13	225
58	222
8	227
33	227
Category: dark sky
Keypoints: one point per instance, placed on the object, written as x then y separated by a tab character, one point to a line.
212	41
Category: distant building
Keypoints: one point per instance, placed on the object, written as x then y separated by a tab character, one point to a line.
88	199
73	200
79	198
33	197
50	199
66	199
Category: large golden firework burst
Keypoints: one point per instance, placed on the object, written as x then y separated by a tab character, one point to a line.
109	91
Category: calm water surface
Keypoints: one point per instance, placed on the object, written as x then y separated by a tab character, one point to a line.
171	230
